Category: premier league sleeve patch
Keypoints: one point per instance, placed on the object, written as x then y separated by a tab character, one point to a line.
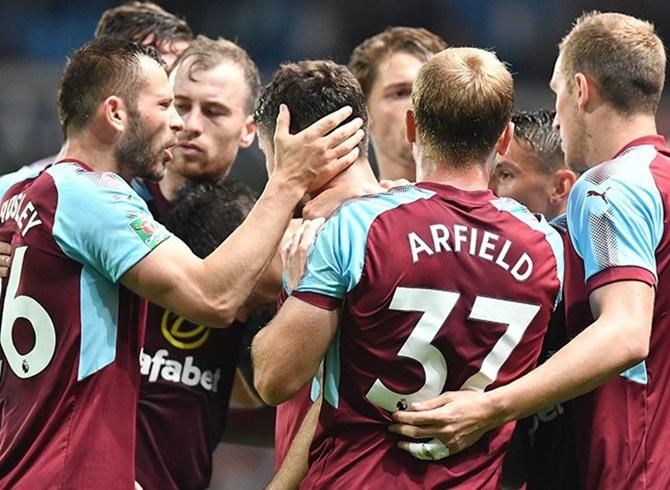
149	231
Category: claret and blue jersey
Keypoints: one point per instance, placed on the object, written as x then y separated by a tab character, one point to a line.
70	333
439	289
618	225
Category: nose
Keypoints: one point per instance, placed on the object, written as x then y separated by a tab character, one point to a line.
554	123
493	184
193	121
176	122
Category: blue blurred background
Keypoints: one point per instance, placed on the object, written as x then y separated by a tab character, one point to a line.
37	35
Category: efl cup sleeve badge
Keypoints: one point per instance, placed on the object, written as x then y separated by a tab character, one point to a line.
149	231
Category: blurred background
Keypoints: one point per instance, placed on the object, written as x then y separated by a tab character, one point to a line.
37	35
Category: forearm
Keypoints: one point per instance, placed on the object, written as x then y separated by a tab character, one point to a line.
276	376
296	463
596	355
230	273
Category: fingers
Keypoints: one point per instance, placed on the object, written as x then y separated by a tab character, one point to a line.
336	166
295	241
283	121
412	431
349	144
309	233
5	248
433	403
350	131
304	237
429	417
5	262
284	251
326	124
432	450
390	184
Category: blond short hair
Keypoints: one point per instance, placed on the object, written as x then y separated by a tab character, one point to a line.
463	100
622	54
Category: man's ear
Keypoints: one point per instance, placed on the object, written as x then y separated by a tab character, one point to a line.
505	139
114	113
564	179
410	127
586	92
248	132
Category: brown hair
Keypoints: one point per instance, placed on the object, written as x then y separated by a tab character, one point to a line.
463	99
311	90
622	54
367	56
137	21
209	53
99	69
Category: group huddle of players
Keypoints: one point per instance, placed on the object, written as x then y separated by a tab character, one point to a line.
501	266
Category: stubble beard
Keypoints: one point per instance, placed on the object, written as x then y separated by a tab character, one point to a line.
135	153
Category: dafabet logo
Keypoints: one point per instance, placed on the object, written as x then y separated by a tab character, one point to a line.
182	334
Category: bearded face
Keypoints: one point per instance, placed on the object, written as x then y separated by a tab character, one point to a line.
140	151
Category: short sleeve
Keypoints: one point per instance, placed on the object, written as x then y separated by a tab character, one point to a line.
335	261
615	225
8	180
100	221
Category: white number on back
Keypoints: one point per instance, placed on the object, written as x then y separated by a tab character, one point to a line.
36	360
436	306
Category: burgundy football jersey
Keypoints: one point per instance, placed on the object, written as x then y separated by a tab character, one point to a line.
440	289
291	413
542	452
618	225
187	376
70	334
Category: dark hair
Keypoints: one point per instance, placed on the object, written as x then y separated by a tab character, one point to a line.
137	21
311	90
97	70
462	100
367	56
208	53
205	213
624	56
534	131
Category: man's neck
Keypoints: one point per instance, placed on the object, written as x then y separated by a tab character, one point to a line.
474	177
359	175
613	132
170	184
390	169
92	152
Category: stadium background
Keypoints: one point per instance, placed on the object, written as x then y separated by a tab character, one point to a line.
37	35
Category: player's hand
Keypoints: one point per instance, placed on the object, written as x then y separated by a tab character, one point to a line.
294	252
5	258
323	205
390	184
317	152
456	419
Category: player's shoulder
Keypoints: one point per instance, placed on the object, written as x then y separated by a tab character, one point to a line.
365	209
78	186
518	213
628	174
73	173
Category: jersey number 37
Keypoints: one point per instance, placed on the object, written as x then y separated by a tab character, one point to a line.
436	307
